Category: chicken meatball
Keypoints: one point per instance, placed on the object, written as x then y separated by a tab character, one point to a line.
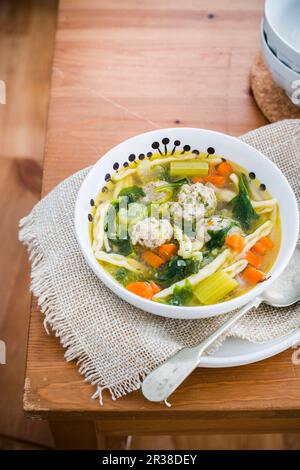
150	194
151	232
197	199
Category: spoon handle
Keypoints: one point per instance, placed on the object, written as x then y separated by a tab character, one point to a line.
164	380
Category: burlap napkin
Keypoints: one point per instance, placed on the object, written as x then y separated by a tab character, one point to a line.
115	344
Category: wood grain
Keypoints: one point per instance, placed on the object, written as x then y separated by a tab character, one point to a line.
231	400
25	54
8	443
26	50
120	69
219	442
136	66
19	193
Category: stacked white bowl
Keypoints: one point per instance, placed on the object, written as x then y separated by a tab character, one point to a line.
280	42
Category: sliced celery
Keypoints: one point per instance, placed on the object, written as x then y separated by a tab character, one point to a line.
214	288
189	168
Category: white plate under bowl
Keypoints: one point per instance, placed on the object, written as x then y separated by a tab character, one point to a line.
239	352
282	27
200	140
285	77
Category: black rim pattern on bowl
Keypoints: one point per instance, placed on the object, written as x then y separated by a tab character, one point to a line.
162	149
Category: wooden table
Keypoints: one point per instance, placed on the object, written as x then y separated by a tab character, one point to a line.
120	68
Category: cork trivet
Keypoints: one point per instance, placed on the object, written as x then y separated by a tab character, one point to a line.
270	98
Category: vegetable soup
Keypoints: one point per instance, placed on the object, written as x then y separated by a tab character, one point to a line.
185	229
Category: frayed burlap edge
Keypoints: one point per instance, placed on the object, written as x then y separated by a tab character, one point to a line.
42	288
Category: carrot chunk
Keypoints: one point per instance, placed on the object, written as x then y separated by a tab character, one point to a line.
197	179
235	241
212	169
253	259
259	248
140	288
224	169
152	259
167	250
217	180
155	288
267	242
253	275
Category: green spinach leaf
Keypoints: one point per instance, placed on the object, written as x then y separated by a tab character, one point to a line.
124	276
217	239
176	269
242	209
182	295
133	193
121	246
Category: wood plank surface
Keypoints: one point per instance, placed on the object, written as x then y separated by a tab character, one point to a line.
125	67
26	49
26	44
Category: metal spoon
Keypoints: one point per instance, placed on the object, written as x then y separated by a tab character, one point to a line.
164	380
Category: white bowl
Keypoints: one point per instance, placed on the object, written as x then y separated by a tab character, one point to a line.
199	139
282	28
285	77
